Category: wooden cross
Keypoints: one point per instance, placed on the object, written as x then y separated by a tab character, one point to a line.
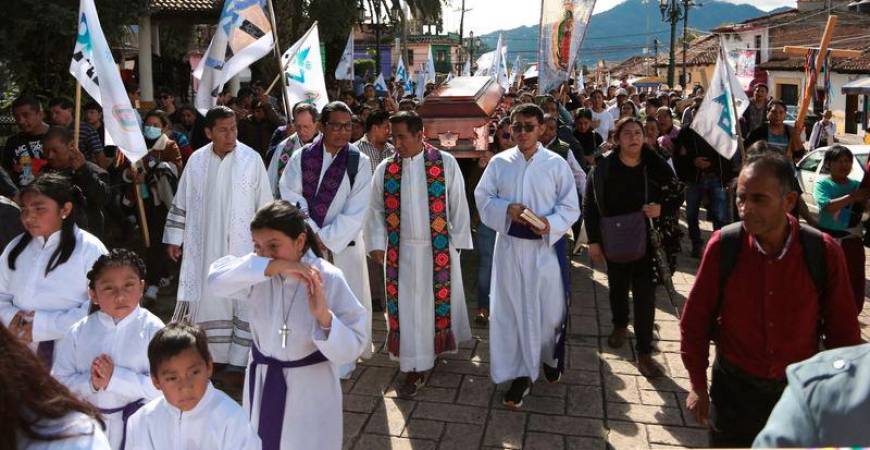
811	84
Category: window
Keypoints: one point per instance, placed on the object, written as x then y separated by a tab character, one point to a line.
811	162
757	49
409	59
788	93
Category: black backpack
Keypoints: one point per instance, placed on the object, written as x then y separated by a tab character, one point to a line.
811	240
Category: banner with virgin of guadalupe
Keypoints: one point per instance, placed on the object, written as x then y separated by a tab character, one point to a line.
563	26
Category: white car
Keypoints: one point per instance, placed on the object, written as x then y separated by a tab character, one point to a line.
811	170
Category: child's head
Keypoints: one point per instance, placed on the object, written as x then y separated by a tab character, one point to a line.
116	282
47	204
280	232
180	364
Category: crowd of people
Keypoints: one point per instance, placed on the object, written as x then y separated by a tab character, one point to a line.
285	236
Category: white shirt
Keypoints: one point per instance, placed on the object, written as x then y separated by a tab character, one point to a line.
59	298
126	342
605	122
217	422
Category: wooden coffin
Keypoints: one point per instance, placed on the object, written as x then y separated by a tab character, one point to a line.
456	116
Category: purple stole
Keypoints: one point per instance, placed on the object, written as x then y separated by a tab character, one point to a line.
320	198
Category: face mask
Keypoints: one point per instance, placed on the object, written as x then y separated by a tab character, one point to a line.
152	132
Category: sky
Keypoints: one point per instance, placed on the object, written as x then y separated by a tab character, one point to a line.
490	15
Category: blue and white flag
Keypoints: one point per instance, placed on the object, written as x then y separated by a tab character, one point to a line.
402	76
563	26
724	102
466	69
93	66
381	85
421	84
243	36
430	67
303	69
344	71
515	72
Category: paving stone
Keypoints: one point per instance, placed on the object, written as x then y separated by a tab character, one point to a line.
450	413
677	436
444	379
585	358
377	442
584	325
544	441
463	367
481	353
423	429
461	436
545	405
374	381
584	443
619	366
584	377
621	388
572	426
359	403
390	417
644	413
505	429
545	389
475	391
585	401
626	435
657	398
353	424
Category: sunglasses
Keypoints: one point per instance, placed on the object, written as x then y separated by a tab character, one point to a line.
522	127
338	126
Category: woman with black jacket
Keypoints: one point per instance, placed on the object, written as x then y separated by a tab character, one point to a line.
635	184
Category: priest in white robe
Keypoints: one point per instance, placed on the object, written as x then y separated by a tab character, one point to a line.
222	186
419	220
330	179
305	117
528	301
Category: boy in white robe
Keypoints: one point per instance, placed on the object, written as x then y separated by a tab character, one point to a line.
529	282
418	236
104	357
305	322
191	414
222	186
331	181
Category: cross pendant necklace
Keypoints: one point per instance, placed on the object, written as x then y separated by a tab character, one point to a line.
285	331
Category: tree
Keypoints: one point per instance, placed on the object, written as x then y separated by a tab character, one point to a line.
37	43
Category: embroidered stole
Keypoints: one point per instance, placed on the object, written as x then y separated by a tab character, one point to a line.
320	198
437	190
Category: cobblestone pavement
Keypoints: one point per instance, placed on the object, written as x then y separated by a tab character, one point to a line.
602	400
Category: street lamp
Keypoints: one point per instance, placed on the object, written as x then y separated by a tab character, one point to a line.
672	13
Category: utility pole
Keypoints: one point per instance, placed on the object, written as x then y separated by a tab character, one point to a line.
656	56
672	13
686	5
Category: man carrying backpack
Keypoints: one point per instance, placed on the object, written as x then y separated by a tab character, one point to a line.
767	292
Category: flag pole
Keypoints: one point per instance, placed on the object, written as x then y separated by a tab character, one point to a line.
140	206
287	108
78	114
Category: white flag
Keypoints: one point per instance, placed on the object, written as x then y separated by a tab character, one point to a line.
421	84
344	71
515	72
430	67
93	66
381	85
724	102
402	76
449	78
466	70
484	64
243	36
303	69
495	69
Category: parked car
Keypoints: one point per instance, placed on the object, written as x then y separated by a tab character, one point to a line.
811	171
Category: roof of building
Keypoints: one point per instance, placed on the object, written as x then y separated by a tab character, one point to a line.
702	51
185	6
633	66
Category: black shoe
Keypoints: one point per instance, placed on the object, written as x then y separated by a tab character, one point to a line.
520	388
617	337
412	384
552	374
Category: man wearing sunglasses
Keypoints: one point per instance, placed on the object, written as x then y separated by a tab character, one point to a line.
330	180
528	195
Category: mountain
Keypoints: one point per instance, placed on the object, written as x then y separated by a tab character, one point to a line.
626	30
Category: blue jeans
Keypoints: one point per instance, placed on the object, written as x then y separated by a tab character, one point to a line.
485	247
717	213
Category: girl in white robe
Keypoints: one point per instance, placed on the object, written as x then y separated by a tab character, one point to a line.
104	357
305	323
43	272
